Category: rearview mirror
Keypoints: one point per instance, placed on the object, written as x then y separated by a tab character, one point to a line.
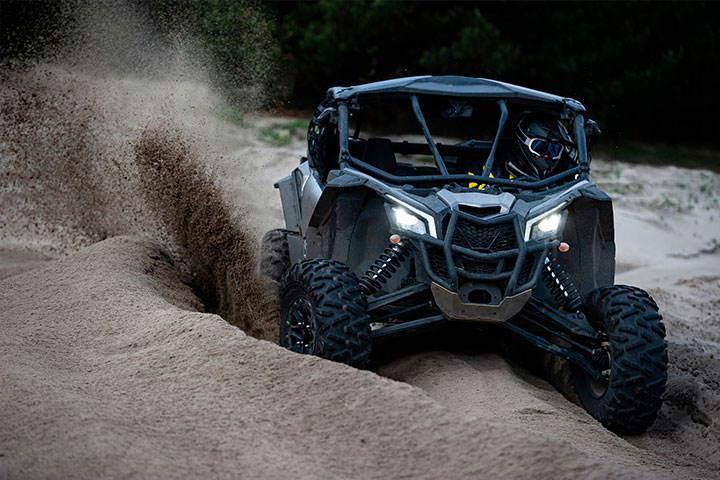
457	109
592	129
329	115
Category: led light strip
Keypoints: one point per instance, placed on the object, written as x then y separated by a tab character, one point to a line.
559	195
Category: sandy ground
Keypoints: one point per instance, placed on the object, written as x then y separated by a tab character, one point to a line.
108	367
109	370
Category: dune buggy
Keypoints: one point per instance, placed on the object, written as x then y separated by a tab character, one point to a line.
392	235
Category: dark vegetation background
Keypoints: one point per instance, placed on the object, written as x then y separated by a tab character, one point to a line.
649	73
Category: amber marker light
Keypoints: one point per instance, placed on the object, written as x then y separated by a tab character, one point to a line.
563	247
395	239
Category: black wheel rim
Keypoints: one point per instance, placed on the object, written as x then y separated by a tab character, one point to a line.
300	321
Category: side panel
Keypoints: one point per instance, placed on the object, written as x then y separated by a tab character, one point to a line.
371	236
355	230
590	233
290	202
291	210
311	191
331	225
299	194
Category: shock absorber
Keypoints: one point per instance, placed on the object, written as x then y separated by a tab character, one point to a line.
559	284
384	267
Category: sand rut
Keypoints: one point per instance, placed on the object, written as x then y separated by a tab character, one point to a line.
222	255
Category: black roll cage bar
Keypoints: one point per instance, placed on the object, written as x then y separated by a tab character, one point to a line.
345	159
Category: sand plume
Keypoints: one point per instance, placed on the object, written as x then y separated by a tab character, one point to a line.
222	254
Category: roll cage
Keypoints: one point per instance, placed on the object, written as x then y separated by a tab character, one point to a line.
336	109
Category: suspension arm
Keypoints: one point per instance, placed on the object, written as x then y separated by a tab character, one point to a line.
563	352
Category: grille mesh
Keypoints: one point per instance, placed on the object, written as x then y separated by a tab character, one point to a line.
486	238
437	262
482	239
526	269
474	266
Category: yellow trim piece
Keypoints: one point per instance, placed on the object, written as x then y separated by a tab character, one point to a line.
473	184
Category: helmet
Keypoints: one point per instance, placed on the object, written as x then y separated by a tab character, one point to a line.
542	142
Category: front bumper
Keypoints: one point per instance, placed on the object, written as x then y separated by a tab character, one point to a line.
453	308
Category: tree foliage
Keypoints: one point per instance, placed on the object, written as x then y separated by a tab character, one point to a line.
237	36
644	70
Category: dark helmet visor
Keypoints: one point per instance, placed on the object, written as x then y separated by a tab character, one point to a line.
545	148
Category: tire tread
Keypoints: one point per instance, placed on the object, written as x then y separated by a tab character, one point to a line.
343	333
274	254
639	369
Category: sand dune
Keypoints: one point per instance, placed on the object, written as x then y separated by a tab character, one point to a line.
110	367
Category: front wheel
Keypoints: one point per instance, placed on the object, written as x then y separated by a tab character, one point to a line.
632	356
323	311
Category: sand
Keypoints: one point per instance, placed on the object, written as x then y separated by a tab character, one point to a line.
109	370
112	365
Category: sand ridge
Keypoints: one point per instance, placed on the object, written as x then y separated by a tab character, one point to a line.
110	369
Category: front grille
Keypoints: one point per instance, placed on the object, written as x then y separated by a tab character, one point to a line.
484	238
473	266
527	269
438	263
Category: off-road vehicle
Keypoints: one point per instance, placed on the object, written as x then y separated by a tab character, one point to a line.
391	235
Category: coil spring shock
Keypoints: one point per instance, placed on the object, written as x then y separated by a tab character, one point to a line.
383	268
559	284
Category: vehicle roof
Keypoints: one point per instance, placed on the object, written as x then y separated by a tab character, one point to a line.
454	86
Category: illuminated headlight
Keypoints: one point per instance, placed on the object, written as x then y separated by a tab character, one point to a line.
547	226
407	221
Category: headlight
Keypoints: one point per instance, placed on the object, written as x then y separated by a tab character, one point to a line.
548	225
409	218
407	221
